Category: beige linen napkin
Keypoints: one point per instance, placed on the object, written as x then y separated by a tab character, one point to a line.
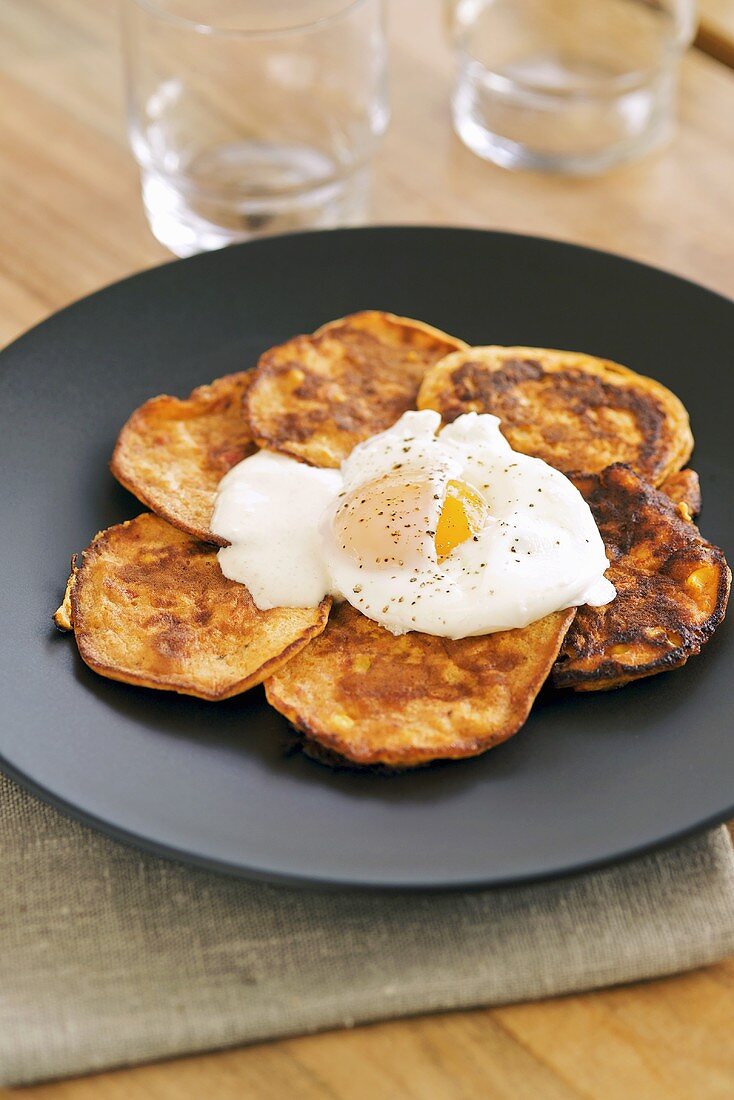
109	956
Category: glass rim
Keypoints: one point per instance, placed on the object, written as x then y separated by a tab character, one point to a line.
679	43
609	86
157	9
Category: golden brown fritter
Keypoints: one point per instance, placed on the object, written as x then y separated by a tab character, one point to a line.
315	397
684	489
149	605
172	453
373	698
576	412
672	588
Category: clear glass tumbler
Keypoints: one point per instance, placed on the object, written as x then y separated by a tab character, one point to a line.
572	86
253	116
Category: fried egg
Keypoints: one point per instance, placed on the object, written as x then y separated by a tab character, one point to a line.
447	532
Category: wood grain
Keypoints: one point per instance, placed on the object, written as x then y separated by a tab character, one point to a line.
72	221
716	30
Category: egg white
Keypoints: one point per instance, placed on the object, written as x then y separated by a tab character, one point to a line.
539	550
268	508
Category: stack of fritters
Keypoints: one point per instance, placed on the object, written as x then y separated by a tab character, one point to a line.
149	604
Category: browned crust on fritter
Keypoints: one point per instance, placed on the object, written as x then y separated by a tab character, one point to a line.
172	453
373	698
574	411
149	606
315	397
659	617
333	760
684	489
62	614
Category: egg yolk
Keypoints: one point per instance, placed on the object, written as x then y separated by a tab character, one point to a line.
463	515
384	523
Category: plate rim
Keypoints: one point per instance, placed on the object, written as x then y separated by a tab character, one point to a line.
416	228
327	883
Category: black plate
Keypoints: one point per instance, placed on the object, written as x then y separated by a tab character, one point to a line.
589	779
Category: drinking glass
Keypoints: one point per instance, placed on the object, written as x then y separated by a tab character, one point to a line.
571	86
253	116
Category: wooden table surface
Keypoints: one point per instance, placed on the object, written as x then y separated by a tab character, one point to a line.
716	32
72	221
